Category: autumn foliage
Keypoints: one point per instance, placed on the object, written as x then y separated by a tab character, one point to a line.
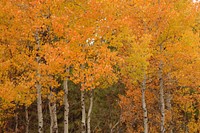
139	60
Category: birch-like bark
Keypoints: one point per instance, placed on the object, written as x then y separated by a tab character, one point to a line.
39	108
162	102
144	106
53	113
16	122
27	119
83	121
50	113
55	122
89	112
39	87
66	105
161	86
169	104
169	108
143	89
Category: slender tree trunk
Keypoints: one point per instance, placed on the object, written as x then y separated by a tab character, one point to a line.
169	104
66	106
161	86
55	122
39	108
16	122
53	113
89	112
113	127
185	121
162	102
144	106
27	119
50	113
39	87
83	121
169	107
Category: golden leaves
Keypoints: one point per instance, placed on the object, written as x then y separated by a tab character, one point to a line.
98	41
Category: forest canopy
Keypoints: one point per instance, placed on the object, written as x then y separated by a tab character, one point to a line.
99	66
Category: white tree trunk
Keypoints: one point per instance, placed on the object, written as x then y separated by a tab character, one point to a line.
66	106
39	87
83	121
16	122
89	112
144	106
50	113
162	102
53	113
168	102
27	119
169	108
39	108
55	122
